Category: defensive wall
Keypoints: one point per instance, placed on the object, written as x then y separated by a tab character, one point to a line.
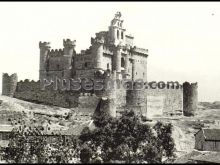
180	100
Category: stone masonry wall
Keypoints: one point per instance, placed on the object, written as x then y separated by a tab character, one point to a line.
31	91
165	101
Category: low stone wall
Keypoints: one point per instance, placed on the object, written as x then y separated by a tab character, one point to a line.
88	100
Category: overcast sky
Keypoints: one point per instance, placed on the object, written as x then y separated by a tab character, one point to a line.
183	38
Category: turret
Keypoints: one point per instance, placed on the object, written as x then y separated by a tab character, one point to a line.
69	47
116	30
190	98
44	49
117	58
9	84
136	100
107	94
97	51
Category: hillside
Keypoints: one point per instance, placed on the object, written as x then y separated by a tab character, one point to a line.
15	112
75	119
210	105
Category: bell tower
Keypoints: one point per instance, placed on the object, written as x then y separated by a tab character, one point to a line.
116	30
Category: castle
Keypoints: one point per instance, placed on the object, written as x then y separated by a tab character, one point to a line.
111	50
112	55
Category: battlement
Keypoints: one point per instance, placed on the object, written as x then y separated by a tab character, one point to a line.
56	52
86	94
12	76
68	43
140	50
98	40
45	45
190	85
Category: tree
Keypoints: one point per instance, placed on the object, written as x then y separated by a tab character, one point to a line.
127	140
25	146
29	145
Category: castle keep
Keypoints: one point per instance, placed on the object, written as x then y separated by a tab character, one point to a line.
112	55
111	50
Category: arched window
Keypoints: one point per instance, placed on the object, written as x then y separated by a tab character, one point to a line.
122	62
122	35
117	34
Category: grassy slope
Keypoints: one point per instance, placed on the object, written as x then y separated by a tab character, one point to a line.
183	132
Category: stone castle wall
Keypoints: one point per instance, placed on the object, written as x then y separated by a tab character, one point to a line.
164	102
151	102
31	91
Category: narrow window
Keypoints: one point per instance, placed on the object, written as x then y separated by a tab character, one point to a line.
122	62
108	66
118	34
122	35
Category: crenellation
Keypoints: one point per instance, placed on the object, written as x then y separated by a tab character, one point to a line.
44	45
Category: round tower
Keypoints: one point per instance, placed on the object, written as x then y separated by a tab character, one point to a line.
69	54
126	60
9	84
69	47
136	100
190	98
97	51
117	58
108	93
133	69
44	50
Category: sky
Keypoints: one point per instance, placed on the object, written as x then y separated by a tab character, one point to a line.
183	38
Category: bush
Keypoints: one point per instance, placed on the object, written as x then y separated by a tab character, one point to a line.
85	154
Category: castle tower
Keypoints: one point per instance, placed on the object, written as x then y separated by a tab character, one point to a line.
126	61
44	49
190	98
9	84
136	100
117	58
69	54
107	95
133	69
116	30
69	47
97	51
